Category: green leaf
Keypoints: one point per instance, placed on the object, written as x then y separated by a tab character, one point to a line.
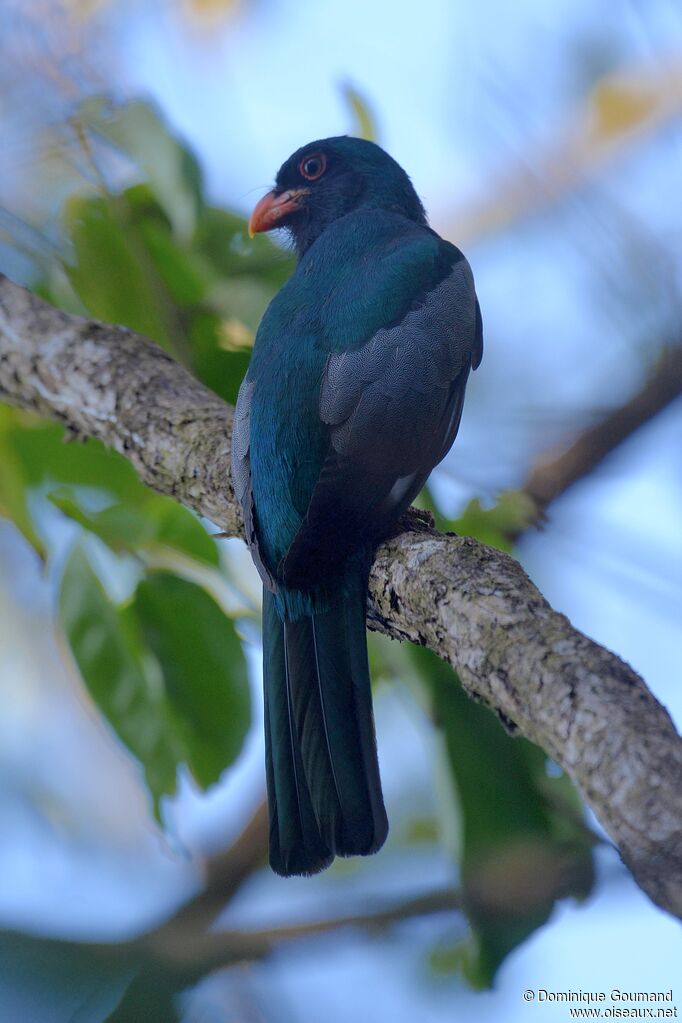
220	369
171	168
40	450
497	526
175	526
151	522
125	688
46	978
519	851
204	670
222	240
364	121
129	269
151	998
13	497
112	273
186	279
121	527
33	455
167	671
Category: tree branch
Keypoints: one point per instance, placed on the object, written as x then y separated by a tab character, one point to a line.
582	148
171	960
474	606
225	873
107	382
169	949
554	474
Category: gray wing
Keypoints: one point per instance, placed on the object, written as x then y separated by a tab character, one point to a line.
393	407
241	476
394	404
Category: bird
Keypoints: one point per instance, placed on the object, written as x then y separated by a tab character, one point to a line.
354	392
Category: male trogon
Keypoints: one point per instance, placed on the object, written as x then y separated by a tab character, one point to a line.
354	393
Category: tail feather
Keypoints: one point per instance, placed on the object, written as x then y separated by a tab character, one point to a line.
329	767
312	727
358	670
296	846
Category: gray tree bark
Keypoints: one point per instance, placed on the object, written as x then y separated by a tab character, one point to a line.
473	606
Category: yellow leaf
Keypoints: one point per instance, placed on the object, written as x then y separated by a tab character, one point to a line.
234	335
618	106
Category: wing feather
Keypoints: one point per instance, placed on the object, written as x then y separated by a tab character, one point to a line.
241	476
393	408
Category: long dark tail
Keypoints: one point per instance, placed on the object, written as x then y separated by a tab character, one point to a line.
324	790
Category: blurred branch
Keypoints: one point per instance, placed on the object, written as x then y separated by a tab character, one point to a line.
224	874
190	955
164	962
472	605
621	111
554	474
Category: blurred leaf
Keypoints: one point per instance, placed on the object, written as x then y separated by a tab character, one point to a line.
204	670
171	168
51	981
33	452
235	336
167	671
199	292
111	663
364	121
221	370
114	277
619	105
176	526
40	450
222	239
13	498
151	998
153	520
243	297
212	13
33	455
185	277
172	292
447	958
497	526
421	830
519	852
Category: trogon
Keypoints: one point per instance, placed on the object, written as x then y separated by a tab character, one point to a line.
353	394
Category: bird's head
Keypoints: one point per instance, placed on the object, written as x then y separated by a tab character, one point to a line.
326	180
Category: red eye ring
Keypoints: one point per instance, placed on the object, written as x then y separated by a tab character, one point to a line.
313	166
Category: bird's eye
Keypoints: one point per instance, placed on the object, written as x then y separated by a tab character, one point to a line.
313	167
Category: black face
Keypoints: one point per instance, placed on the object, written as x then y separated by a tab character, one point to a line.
336	176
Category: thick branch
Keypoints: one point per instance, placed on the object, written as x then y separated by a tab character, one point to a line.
106	382
472	605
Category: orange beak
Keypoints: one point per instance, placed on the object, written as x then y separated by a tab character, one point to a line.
272	208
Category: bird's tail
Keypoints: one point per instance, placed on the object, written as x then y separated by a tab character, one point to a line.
324	790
